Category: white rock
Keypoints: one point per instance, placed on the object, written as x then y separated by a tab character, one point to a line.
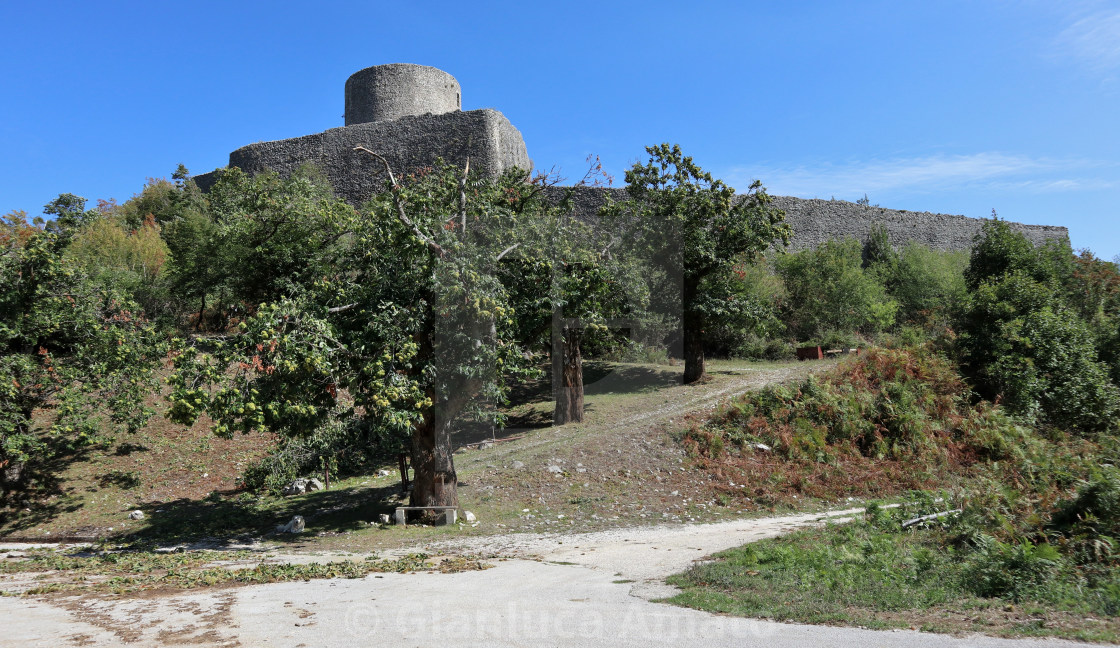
136	515
555	469
517	465
761	446
469	517
295	487
313	485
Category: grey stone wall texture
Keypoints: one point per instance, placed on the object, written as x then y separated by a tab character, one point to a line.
411	115
816	221
486	136
387	92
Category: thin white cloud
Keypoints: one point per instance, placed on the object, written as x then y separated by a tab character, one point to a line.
1094	40
925	174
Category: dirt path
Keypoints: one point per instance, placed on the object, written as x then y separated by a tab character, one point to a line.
644	555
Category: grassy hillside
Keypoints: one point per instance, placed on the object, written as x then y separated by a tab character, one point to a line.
623	465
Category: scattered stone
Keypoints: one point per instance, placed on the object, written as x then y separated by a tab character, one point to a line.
555	469
296	525
675	493
313	485
517	465
136	515
761	446
295	487
485	445
469	517
384	518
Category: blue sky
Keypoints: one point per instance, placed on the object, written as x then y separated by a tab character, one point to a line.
947	106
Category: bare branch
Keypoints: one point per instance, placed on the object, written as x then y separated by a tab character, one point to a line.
926	518
435	247
507	251
463	194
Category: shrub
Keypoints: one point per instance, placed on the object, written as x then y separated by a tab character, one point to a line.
1013	571
1020	343
828	290
884	404
929	285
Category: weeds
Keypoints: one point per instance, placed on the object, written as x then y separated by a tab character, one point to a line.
121	572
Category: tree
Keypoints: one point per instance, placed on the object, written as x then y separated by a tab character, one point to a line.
1026	331
566	286
71	350
928	284
693	228
402	328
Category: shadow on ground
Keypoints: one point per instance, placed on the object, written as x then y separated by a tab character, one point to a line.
226	516
40	496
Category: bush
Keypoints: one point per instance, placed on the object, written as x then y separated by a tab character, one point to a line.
885	404
1090	521
929	285
828	290
999	251
1021	344
1012	571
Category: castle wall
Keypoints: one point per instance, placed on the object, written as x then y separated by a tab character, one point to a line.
816	221
410	114
388	92
486	136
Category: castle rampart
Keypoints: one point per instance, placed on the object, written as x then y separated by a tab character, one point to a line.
388	92
411	115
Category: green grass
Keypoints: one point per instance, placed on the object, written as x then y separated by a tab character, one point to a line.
859	575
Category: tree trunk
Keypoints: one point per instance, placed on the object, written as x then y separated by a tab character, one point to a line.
693	355
693	334
434	482
433	468
201	312
569	394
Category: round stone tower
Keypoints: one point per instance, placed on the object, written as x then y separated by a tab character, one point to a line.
385	92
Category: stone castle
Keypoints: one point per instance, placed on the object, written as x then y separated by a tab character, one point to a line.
412	115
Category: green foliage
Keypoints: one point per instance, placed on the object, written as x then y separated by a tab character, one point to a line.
755	329
1011	571
74	350
1088	524
377	323
879	256
1019	341
1035	328
885	404
692	229
999	251
828	290
929	285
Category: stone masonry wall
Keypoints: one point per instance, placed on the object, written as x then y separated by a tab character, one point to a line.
817	221
387	92
486	136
